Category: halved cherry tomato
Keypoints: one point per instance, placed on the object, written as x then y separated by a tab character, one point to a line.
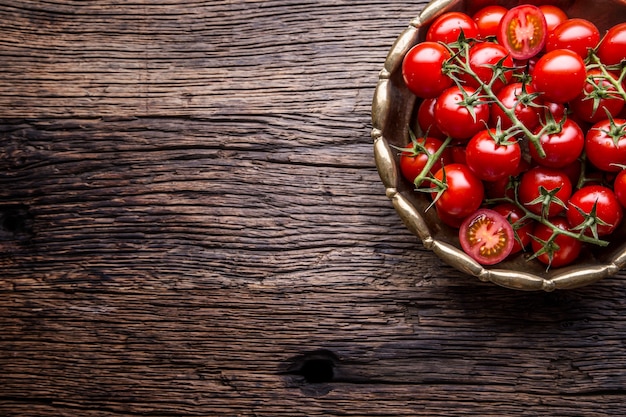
487	237
523	31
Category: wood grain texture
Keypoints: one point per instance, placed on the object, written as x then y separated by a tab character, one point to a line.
191	224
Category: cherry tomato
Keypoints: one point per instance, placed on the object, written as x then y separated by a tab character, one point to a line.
489	160
459	155
612	50
523	99
561	148
599	200
463	194
605	145
426	118
598	97
482	58
452	221
554	16
488	19
577	35
422	69
560	75
523	31
453	116
487	237
563	251
619	187
522	228
413	159
544	191
573	171
505	187
447	27
556	110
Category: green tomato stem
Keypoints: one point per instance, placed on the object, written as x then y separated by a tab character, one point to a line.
432	160
510	113
545	221
617	84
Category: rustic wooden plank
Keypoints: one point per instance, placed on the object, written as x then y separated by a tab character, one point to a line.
171	267
191	224
200	58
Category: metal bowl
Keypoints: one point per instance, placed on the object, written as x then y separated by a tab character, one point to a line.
393	110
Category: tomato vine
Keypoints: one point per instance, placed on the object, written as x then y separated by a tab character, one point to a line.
587	151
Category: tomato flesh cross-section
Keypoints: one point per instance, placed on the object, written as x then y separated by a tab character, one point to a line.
523	31
487	237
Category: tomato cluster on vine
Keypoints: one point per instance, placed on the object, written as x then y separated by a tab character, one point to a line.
519	136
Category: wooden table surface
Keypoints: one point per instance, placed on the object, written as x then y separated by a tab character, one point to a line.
192	224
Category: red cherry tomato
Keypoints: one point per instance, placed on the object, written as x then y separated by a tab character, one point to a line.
619	187
454	117
463	194
489	160
612	50
598	97
413	159
605	145
522	228
459	155
482	59
554	16
599	200
565	249
447	28
523	31
505	187
426	118
488	20
452	221
487	237
544	191
523	99
577	35
422	69
561	148
556	110
560	75
573	171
